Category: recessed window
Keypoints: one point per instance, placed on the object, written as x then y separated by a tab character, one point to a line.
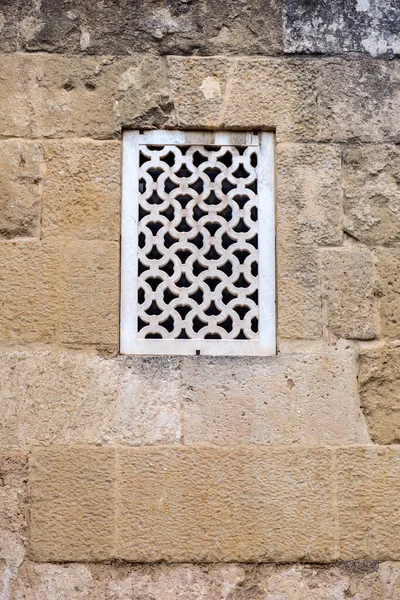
198	243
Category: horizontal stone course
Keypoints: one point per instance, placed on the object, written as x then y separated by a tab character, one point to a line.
208	504
305	100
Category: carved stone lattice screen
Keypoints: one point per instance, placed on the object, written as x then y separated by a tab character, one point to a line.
198	243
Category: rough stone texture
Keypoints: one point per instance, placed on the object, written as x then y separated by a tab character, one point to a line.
370	26
56	397
299	309
28	292
13	491
388	267
364	580
208	27
379	381
372	193
210	504
72	503
58	96
306	399
348	289
308	200
358	100
90	293
148	408
81	190
239	94
22	167
369	503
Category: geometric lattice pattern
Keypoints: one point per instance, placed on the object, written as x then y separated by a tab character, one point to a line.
197	233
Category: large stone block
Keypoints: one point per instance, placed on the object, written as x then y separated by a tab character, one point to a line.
348	291
388	267
210	27
90	294
81	190
326	27
358	100
60	96
371	180
148	408
28	292
309	202
245	93
72	503
56	397
299	309
223	504
379	383
22	168
289	399
369	503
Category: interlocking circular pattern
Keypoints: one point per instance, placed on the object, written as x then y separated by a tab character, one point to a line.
198	242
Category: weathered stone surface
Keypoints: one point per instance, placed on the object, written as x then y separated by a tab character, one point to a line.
246	94
72	503
12	554
358	100
379	382
224	504
388	267
348	290
306	399
28	292
308	202
209	27
90	293
324	27
148	408
22	168
372	194
363	580
298	291
81	190
60	96
369	503
56	397
13	493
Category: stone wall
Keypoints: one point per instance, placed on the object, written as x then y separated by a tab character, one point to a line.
219	464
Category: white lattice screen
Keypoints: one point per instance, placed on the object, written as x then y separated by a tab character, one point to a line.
198	251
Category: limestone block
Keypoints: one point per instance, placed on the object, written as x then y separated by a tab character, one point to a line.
28	292
22	167
72	503
81	190
298	291
16	112
379	383
333	28
372	194
210	27
358	100
148	407
348	290
64	96
56	397
289	399
308	203
388	267
13	493
369	503
247	93
90	293
222	504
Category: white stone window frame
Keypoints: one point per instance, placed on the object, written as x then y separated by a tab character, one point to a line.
265	345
